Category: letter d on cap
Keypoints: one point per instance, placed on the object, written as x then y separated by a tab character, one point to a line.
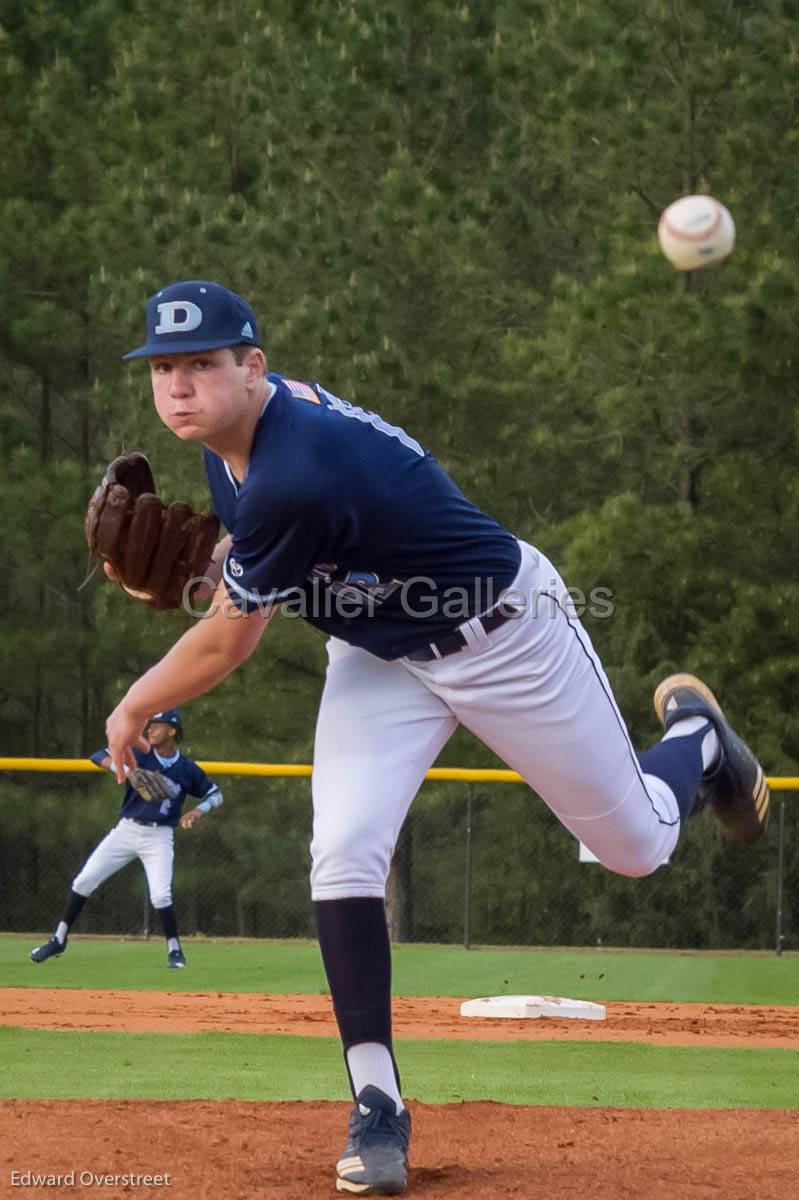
178	316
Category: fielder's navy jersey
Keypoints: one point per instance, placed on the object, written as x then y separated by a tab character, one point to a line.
346	521
188	778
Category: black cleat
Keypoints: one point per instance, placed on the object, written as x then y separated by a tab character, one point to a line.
51	949
736	788
375	1159
176	958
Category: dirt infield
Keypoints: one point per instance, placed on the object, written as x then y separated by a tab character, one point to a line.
236	1150
479	1151
725	1025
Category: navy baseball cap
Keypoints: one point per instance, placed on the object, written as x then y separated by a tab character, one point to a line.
170	716
196	314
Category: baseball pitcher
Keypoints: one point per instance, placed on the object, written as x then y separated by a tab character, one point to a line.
435	615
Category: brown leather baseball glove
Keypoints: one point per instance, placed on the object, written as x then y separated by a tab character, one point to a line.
152	786
154	548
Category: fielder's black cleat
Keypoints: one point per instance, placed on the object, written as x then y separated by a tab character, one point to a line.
176	958
375	1159
51	949
736	788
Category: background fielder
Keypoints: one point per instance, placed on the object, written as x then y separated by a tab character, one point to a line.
437	616
145	831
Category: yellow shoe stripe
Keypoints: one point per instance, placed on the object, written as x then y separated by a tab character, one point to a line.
761	794
349	1164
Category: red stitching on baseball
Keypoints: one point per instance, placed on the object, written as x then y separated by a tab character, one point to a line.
693	237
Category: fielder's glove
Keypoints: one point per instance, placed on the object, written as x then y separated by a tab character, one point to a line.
154	548
152	786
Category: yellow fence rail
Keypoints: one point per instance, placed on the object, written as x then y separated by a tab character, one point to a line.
777	783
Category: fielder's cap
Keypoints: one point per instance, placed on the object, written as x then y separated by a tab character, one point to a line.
196	314
170	716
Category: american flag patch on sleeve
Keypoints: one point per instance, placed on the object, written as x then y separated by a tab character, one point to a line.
301	391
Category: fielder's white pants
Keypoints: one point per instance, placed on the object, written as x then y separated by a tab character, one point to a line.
153	845
534	691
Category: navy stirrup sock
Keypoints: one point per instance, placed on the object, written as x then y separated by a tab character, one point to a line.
74	908
169	922
678	762
356	951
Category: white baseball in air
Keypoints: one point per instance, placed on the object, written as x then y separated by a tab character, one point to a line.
696	231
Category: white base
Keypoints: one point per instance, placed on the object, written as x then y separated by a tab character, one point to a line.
515	1007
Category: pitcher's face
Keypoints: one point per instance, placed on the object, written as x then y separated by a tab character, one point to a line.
200	395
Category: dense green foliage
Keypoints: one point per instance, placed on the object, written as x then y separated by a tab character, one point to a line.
445	212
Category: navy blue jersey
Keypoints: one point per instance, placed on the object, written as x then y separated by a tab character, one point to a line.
346	521
189	779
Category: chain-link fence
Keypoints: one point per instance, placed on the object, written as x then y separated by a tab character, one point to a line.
476	863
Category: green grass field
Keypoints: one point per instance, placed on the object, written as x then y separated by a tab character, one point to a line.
286	967
60	1065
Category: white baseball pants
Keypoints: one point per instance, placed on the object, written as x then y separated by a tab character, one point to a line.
534	691
153	845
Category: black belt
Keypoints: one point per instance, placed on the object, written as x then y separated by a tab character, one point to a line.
151	824
451	643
